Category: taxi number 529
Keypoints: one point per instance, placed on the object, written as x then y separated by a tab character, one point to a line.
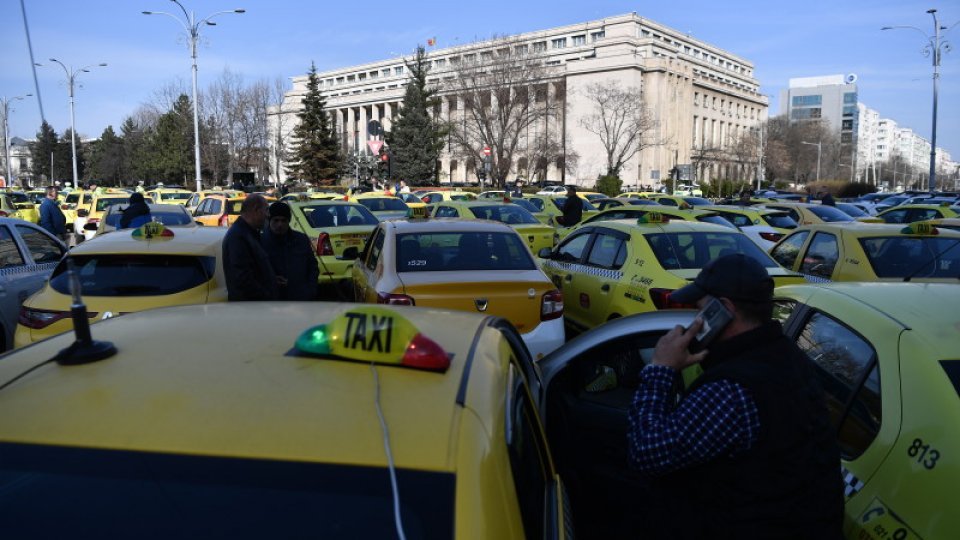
924	453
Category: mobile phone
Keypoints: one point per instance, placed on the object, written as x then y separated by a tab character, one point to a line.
715	317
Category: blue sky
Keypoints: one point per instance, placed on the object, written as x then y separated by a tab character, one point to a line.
279	39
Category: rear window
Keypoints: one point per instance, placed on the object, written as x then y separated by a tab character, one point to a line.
559	202
696	201
902	256
167	218
20	198
692	250
781	221
381	204
851	210
830	214
433	252
506	213
102	204
175	196
152	495
72	198
716	220
321	216
131	274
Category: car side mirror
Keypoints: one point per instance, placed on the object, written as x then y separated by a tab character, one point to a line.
350	254
545	253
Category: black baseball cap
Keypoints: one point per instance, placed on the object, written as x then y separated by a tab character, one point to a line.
737	277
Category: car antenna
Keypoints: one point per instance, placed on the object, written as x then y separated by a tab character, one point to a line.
84	350
935	257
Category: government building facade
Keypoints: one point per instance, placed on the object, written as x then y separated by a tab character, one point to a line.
703	100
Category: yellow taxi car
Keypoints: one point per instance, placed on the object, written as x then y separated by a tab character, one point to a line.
679	200
220	210
88	220
151	266
609	269
431	197
333	226
871	252
196	197
764	226
661	212
385	206
279	420
808	213
415	203
475	266
908	213
946	223
640	194
7	206
170	196
170	215
888	358
26	208
548	207
535	234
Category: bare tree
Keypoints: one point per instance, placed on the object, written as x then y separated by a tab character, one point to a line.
622	121
278	131
508	105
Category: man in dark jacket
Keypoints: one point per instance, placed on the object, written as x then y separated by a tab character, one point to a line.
136	209
827	199
572	208
245	264
290	256
51	217
748	452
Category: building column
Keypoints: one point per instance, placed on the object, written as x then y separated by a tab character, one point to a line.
351	131
339	129
387	116
362	128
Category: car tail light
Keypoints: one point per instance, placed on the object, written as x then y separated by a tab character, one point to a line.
224	221
91	224
323	247
394	299
40	318
551	305
425	199
3	214
771	236
661	299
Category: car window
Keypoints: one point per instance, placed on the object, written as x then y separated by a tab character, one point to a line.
902	256
667	202
216	207
167	218
783	309
529	458
786	253
9	252
830	214
607	251
42	248
135	274
537	203
455	251
445	212
696	201
921	214
782	221
716	220
846	365
527	204
203	208
102	204
821	257
380	204
692	250
895	216
233	207
375	250
571	250
739	220
504	213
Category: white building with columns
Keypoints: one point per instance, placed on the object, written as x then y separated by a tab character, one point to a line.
701	95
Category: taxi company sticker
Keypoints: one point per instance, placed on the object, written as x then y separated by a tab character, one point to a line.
879	523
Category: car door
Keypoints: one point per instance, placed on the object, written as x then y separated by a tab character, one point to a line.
366	270
787	252
16	281
564	269
821	257
602	263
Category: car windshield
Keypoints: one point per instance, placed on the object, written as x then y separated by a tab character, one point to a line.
559	201
525	204
851	210
830	214
692	250
510	214
167	217
716	220
72	198
913	256
895	200
104	203
19	197
321	216
696	201
176	196
780	220
454	251
381	204
175	495
641	202
135	274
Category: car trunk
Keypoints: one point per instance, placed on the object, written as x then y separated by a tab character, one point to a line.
536	236
513	295
781	276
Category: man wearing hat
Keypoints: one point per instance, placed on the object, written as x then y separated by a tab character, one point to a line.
290	255
748	450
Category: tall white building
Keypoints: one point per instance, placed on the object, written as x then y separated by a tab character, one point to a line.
701	95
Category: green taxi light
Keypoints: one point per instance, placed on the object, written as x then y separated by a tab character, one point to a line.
374	334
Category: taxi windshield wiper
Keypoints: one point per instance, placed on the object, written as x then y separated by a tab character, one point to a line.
932	260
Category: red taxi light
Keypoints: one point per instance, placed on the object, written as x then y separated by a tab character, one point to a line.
3	214
771	236
324	246
39	319
661	299
551	305
424	353
394	299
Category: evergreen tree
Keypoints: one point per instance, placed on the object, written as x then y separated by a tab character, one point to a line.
134	166
417	138
40	151
106	158
170	156
63	158
315	155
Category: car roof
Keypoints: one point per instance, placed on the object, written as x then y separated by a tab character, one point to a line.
154	207
861	228
230	386
185	240
744	209
671	226
403	226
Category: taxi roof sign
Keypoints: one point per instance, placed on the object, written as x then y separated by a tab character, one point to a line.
921	228
377	335
652	217
152	230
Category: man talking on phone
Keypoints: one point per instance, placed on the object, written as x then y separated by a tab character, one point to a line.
748	450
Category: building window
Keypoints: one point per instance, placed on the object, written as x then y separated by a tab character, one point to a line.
579	40
351	78
374	74
850	98
559	43
597	36
806	101
805	114
521	50
486	56
849	110
440	63
398	70
386	72
469	58
539	46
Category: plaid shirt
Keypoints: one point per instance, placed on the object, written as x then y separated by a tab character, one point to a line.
718	419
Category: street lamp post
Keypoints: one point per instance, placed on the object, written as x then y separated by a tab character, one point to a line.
819	146
72	75
936	44
5	102
192	26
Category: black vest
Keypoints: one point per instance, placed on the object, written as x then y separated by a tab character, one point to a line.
788	485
